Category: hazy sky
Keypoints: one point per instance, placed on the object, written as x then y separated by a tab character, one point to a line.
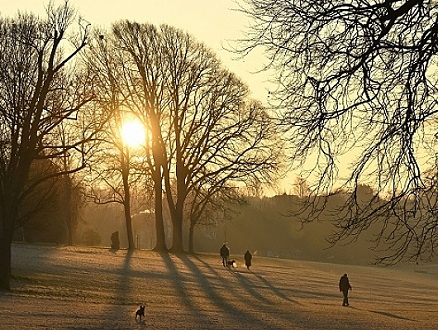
213	22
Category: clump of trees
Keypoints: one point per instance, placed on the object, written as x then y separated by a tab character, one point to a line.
43	109
205	137
66	90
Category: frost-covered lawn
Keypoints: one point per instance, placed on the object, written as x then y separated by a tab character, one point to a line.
85	288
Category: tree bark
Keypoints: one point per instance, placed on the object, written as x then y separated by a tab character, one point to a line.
177	241
6	236
127	201
160	244
177	233
5	258
68	208
191	238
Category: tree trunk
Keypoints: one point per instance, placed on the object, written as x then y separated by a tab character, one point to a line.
68	209
5	261
160	244
127	202
177	234
9	213
6	235
191	234
128	222
177	209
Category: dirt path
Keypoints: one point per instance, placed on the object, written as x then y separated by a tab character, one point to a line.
84	288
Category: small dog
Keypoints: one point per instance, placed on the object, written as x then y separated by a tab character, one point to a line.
140	312
232	263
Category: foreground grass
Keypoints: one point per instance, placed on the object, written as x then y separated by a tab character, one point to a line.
85	288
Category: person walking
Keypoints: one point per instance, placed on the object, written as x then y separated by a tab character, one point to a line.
248	257
344	286
225	254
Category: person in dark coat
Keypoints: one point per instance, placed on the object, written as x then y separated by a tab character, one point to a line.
344	286
248	258
115	241
225	254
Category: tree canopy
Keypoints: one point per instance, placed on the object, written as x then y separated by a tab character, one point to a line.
203	131
357	85
43	97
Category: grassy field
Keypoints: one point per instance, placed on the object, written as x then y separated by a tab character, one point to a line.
86	288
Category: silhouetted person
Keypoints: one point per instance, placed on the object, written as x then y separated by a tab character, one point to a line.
225	254
344	286
248	257
115	242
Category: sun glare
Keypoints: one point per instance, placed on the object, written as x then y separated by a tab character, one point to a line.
133	133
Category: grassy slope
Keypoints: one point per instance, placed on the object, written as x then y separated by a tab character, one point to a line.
84	288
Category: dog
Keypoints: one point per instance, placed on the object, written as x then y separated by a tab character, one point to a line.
140	312
232	263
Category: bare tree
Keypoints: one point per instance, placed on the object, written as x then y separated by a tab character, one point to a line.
110	178
131	79
38	90
218	137
206	201
72	187
111	165
356	84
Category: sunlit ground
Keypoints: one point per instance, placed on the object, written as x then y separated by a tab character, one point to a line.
85	288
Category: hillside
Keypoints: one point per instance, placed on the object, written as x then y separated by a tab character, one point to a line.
85	288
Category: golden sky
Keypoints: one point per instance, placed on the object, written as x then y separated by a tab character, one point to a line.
213	22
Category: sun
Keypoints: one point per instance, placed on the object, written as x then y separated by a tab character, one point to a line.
133	133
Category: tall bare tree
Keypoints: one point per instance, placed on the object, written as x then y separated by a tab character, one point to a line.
111	163
218	136
72	192
38	90
132	79
356	84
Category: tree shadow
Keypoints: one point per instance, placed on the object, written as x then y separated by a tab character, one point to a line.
216	291
124	286
179	281
274	289
393	315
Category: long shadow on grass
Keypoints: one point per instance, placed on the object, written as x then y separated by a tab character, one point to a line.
385	314
393	315
225	285
247	284
250	287
121	290
179	285
265	284
222	304
275	290
124	281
